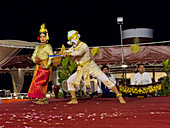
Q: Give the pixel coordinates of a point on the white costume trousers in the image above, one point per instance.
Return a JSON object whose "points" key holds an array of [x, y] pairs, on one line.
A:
{"points": [[102, 77]]}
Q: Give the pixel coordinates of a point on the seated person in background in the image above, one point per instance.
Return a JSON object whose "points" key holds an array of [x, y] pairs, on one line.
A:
{"points": [[141, 77], [104, 91]]}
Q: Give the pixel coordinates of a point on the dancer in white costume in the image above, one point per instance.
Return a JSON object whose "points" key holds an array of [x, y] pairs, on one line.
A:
{"points": [[85, 67]]}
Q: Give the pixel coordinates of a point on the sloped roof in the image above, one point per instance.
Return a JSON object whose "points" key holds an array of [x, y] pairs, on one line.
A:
{"points": [[20, 61], [147, 54], [18, 44], [10, 48], [150, 55]]}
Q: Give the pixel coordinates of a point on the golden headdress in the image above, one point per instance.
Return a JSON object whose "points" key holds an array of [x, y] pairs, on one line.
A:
{"points": [[44, 30], [73, 33]]}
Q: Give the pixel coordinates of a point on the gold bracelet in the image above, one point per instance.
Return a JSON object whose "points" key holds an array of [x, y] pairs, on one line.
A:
{"points": [[69, 54], [73, 98], [118, 95], [43, 99]]}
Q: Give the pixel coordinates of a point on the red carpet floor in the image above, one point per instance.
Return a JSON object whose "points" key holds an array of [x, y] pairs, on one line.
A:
{"points": [[89, 113]]}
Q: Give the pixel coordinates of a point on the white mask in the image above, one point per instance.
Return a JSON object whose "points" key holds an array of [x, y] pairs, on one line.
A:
{"points": [[69, 42], [73, 42]]}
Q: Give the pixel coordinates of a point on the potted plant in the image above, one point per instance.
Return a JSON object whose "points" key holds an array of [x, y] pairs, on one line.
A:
{"points": [[166, 81], [67, 69]]}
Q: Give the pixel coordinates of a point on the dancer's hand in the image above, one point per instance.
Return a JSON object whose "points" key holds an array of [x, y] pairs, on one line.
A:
{"points": [[43, 66], [65, 54], [37, 60]]}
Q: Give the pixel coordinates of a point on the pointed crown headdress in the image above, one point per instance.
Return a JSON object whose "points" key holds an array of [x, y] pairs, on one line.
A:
{"points": [[44, 30]]}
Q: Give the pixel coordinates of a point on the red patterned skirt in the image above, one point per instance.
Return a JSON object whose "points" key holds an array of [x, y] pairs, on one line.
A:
{"points": [[39, 84]]}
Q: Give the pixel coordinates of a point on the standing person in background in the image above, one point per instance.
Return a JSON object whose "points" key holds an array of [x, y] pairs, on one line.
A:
{"points": [[43, 69]]}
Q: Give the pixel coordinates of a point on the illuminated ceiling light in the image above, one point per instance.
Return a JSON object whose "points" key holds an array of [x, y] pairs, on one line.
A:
{"points": [[124, 65]]}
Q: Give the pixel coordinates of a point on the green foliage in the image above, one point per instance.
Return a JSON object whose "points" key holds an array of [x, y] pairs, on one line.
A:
{"points": [[67, 69], [166, 86], [166, 82], [60, 94]]}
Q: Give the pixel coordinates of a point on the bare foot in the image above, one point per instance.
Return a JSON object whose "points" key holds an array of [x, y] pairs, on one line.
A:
{"points": [[38, 102], [122, 101], [72, 102], [46, 102]]}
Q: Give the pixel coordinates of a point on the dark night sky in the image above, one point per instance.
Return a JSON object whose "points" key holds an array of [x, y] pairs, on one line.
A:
{"points": [[94, 19]]}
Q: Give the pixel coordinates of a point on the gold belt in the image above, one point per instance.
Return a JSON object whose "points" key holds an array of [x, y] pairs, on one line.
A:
{"points": [[82, 64]]}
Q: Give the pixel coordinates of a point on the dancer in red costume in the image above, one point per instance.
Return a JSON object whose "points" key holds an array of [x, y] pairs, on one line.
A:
{"points": [[42, 73]]}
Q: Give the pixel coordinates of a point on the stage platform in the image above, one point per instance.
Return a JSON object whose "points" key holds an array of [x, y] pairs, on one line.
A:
{"points": [[89, 113]]}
